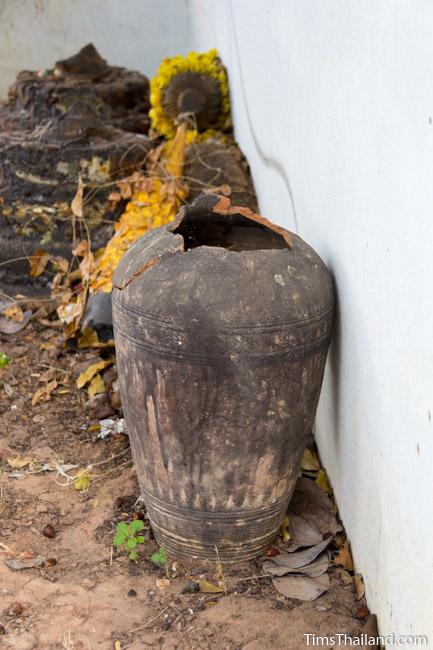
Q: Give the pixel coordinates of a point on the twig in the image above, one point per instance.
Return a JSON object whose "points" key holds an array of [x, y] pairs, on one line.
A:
{"points": [[152, 620], [46, 365], [7, 549]]}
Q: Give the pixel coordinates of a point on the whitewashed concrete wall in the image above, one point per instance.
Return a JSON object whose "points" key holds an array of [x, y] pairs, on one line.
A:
{"points": [[133, 33], [333, 104]]}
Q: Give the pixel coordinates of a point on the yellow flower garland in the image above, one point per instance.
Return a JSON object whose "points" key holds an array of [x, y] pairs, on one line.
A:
{"points": [[207, 63]]}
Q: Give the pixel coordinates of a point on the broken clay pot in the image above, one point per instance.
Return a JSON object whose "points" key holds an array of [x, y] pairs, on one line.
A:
{"points": [[222, 323]]}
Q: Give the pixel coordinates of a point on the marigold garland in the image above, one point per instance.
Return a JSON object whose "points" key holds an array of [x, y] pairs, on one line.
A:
{"points": [[155, 201], [207, 63]]}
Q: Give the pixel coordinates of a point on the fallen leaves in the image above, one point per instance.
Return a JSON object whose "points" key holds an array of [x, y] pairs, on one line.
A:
{"points": [[96, 386], [162, 583], [301, 574], [359, 586], [207, 587], [38, 262], [17, 564], [14, 312], [91, 371], [287, 562], [89, 339], [314, 506], [302, 587], [322, 481], [43, 394], [310, 461], [303, 533], [284, 529], [83, 480], [19, 462], [77, 201], [13, 319], [344, 557]]}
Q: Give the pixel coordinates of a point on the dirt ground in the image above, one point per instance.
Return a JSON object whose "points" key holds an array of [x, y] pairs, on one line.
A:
{"points": [[87, 596]]}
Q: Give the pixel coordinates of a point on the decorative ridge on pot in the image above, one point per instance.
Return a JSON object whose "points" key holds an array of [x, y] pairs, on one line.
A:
{"points": [[222, 323]]}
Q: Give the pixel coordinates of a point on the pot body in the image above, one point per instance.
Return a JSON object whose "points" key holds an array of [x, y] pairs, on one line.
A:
{"points": [[221, 356]]}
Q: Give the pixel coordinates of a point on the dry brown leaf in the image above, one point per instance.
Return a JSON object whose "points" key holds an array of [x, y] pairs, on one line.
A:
{"points": [[344, 557], [302, 533], [38, 262], [323, 482], [81, 249], [77, 201], [91, 371], [82, 480], [13, 326], [60, 264], [162, 583], [47, 346], [358, 583], [315, 569], [284, 529], [312, 504], [88, 339], [298, 559], [345, 577], [310, 461], [43, 394], [301, 587], [207, 587], [14, 312], [96, 386], [125, 189], [19, 462], [18, 565]]}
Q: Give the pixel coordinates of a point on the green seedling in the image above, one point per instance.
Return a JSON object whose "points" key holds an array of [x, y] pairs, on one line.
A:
{"points": [[4, 360], [126, 537], [160, 558]]}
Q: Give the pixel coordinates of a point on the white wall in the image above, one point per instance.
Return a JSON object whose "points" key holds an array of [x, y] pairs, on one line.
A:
{"points": [[333, 104], [133, 33]]}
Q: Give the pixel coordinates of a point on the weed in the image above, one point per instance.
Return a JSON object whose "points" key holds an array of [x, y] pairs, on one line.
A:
{"points": [[4, 359], [160, 558], [126, 537]]}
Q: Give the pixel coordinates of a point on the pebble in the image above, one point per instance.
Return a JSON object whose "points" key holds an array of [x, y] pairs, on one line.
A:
{"points": [[16, 609], [48, 531], [99, 407], [88, 584], [323, 608]]}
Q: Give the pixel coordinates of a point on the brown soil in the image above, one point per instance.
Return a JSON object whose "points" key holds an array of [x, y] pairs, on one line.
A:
{"points": [[94, 598]]}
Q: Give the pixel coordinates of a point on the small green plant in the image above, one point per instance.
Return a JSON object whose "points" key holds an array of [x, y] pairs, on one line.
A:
{"points": [[126, 537], [160, 558], [4, 360]]}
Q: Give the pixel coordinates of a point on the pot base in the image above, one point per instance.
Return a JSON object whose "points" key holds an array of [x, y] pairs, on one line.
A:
{"points": [[230, 536]]}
